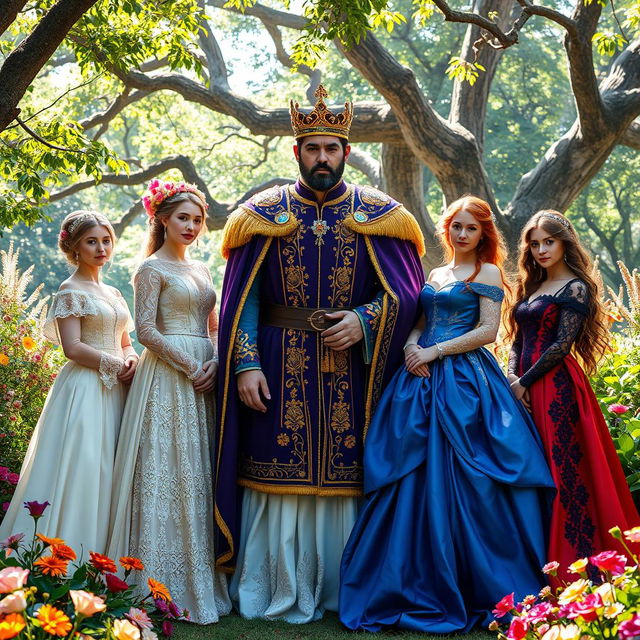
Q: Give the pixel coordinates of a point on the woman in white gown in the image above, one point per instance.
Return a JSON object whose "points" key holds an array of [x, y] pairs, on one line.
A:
{"points": [[162, 508], [69, 462]]}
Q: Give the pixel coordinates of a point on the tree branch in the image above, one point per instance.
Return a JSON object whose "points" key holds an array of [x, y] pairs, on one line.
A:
{"points": [[366, 164], [23, 64], [631, 137], [215, 60], [103, 118], [9, 13]]}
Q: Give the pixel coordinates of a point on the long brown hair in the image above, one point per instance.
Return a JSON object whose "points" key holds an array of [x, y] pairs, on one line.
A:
{"points": [[592, 341], [169, 205], [491, 247]]}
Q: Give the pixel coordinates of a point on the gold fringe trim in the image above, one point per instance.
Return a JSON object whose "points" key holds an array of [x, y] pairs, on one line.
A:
{"points": [[243, 224], [397, 223], [300, 490]]}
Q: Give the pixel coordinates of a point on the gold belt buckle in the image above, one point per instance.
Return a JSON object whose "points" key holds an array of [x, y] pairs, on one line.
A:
{"points": [[317, 316]]}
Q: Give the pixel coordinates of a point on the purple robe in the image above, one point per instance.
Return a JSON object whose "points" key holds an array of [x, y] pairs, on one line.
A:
{"points": [[364, 255]]}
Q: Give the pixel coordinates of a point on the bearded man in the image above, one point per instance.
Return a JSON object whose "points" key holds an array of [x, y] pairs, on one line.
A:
{"points": [[320, 293]]}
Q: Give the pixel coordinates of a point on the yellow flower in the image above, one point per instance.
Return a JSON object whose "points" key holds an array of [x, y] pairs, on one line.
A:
{"points": [[607, 592], [29, 343], [54, 621], [613, 610], [4, 359], [632, 535], [579, 565], [124, 630], [573, 592], [11, 626]]}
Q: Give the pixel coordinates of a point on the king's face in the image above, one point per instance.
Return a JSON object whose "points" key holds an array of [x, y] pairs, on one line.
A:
{"points": [[316, 151]]}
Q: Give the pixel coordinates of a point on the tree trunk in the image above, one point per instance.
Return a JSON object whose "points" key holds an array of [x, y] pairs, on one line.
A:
{"points": [[23, 64], [403, 180]]}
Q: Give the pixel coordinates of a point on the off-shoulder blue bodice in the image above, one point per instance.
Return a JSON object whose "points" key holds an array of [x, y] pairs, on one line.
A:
{"points": [[454, 309]]}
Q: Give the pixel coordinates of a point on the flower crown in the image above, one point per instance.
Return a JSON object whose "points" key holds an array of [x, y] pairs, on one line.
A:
{"points": [[158, 192], [563, 221]]}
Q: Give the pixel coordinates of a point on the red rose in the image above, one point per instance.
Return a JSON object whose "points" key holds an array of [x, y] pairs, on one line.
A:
{"points": [[114, 583]]}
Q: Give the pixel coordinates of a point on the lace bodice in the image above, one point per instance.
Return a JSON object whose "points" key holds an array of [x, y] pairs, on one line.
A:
{"points": [[103, 319], [548, 326], [461, 316], [174, 298]]}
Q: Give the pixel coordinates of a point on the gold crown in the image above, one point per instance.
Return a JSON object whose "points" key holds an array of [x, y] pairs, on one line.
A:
{"points": [[321, 121]]}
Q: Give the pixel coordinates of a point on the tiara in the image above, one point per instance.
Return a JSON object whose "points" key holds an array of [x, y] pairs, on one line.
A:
{"points": [[79, 220], [158, 192], [321, 121], [563, 221]]}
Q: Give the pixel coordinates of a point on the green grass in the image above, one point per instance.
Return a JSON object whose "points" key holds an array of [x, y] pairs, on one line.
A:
{"points": [[233, 627]]}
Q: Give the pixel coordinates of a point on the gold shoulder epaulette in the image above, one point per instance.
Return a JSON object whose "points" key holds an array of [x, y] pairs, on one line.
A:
{"points": [[395, 223], [245, 223]]}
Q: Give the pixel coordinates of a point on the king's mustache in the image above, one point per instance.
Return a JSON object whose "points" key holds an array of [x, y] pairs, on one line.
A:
{"points": [[322, 165]]}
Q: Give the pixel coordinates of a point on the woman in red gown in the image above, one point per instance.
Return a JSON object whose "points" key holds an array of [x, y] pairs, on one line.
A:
{"points": [[557, 319]]}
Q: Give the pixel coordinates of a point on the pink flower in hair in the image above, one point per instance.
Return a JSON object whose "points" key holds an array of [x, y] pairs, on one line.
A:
{"points": [[64, 234], [154, 184]]}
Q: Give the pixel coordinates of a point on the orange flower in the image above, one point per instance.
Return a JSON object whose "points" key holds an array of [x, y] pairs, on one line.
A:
{"points": [[4, 359], [29, 343], [52, 566], [102, 563], [49, 541], [158, 590], [63, 552], [131, 564], [54, 621], [11, 626]]}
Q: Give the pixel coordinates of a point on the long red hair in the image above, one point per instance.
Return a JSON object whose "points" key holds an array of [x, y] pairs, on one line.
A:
{"points": [[491, 247]]}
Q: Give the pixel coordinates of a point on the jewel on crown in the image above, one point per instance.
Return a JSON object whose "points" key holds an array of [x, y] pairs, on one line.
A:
{"points": [[158, 192], [321, 121], [83, 218], [563, 221]]}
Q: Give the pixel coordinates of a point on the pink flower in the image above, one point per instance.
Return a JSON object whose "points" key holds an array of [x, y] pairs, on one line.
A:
{"points": [[504, 606], [618, 409], [167, 628], [139, 617], [629, 628], [609, 561], [12, 541], [551, 568], [13, 603], [154, 184], [13, 578], [5, 506], [13, 478], [539, 613], [517, 629], [586, 608], [86, 604]]}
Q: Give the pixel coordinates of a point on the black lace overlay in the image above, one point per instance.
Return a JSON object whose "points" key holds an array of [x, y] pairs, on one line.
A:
{"points": [[548, 327], [567, 454]]}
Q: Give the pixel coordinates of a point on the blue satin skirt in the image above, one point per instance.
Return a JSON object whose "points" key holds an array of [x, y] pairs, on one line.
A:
{"points": [[458, 503]]}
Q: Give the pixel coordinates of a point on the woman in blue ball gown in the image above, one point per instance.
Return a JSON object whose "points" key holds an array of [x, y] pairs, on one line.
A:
{"points": [[458, 492]]}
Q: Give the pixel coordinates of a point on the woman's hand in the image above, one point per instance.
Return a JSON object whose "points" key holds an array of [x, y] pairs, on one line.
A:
{"points": [[128, 370], [417, 358], [207, 378], [522, 393]]}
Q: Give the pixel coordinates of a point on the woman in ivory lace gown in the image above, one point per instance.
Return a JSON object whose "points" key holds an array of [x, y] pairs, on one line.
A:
{"points": [[69, 462], [162, 508]]}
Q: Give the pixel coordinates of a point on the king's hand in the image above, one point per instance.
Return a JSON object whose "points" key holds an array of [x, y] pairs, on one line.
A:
{"points": [[343, 334]]}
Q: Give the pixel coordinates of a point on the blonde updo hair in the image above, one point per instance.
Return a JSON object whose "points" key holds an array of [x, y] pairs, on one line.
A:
{"points": [[75, 225], [168, 206]]}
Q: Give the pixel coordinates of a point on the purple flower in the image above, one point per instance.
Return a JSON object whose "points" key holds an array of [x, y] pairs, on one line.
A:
{"points": [[167, 628], [161, 606], [36, 509], [12, 478], [4, 472], [5, 506], [174, 611]]}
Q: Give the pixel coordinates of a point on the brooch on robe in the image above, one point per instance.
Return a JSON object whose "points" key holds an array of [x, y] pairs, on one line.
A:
{"points": [[319, 228]]}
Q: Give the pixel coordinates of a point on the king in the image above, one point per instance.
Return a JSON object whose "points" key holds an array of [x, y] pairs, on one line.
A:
{"points": [[320, 292]]}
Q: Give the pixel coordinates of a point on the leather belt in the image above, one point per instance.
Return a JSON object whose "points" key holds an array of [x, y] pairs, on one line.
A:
{"points": [[304, 318]]}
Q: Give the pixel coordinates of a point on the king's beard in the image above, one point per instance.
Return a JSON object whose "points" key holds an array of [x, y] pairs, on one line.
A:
{"points": [[321, 181]]}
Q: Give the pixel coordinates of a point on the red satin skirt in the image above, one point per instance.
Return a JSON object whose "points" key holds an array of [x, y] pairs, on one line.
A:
{"points": [[593, 494]]}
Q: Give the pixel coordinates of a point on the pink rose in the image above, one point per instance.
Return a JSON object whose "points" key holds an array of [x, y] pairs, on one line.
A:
{"points": [[629, 628], [551, 568], [586, 609], [504, 606], [13, 603], [539, 613], [618, 409], [154, 184], [609, 561], [86, 604], [13, 578]]}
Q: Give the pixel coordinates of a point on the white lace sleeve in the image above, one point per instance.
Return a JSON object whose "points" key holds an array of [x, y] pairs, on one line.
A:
{"points": [[484, 333], [110, 367], [67, 303], [147, 284]]}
